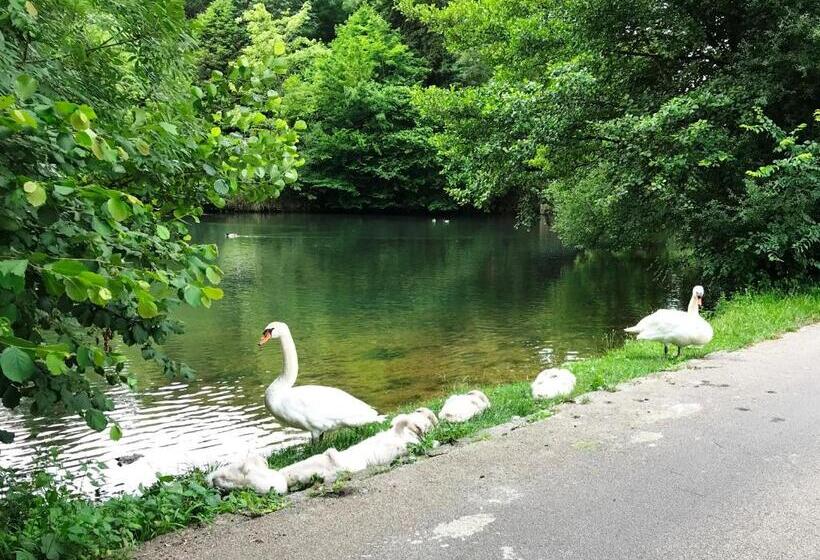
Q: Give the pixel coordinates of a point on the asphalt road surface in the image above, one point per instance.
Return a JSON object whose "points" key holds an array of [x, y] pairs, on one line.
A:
{"points": [[719, 460]]}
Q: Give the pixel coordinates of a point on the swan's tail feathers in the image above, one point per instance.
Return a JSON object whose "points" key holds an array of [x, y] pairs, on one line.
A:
{"points": [[380, 418], [635, 329]]}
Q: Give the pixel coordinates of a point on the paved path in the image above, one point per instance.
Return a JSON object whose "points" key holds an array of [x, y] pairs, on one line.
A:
{"points": [[721, 460]]}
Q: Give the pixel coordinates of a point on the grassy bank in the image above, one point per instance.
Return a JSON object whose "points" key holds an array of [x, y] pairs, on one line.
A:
{"points": [[42, 518]]}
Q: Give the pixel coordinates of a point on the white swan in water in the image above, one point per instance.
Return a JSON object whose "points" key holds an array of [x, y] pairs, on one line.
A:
{"points": [[681, 328], [314, 408]]}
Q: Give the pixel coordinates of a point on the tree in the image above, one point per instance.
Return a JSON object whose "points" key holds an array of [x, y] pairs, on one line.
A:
{"points": [[366, 148], [221, 36], [96, 201], [639, 132]]}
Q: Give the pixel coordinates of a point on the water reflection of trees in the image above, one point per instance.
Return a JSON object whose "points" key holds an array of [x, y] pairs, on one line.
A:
{"points": [[391, 308]]}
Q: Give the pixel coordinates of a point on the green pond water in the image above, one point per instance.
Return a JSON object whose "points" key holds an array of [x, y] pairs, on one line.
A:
{"points": [[390, 309]]}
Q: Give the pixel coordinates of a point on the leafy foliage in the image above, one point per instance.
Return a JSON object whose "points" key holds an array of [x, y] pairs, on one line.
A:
{"points": [[365, 148], [220, 34], [43, 516], [634, 114], [95, 245]]}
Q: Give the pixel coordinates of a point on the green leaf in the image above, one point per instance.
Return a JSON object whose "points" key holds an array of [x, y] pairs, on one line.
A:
{"points": [[300, 125], [115, 433], [278, 46], [67, 267], [169, 128], [25, 86], [35, 193], [13, 274], [97, 150], [193, 295], [142, 146], [221, 187], [79, 120], [75, 289], [213, 293], [16, 364], [85, 138], [214, 274], [163, 233], [14, 267], [50, 546], [64, 108], [100, 227], [118, 208], [99, 295], [24, 117], [83, 357], [146, 308], [55, 364], [96, 420]]}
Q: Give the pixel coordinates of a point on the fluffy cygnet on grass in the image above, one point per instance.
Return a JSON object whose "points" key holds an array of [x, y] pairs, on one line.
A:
{"points": [[554, 382], [460, 408], [252, 473]]}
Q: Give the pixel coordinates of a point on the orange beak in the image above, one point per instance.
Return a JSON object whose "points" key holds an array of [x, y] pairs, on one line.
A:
{"points": [[265, 337]]}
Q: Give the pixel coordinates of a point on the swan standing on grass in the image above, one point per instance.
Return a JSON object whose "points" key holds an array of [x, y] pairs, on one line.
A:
{"points": [[314, 408], [681, 328]]}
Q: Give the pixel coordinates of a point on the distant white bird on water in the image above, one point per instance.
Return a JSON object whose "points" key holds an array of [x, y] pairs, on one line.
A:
{"points": [[681, 328], [446, 221], [231, 235], [433, 220]]}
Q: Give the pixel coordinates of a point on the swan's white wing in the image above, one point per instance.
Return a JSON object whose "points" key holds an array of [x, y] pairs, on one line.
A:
{"points": [[675, 327], [328, 408]]}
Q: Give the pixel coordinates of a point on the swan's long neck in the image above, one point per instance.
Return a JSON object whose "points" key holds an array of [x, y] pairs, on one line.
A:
{"points": [[291, 365], [694, 308]]}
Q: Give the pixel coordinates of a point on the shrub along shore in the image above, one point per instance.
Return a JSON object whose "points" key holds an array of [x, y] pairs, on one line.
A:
{"points": [[43, 518]]}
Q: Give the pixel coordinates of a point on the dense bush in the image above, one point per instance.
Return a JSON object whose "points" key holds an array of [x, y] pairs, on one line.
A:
{"points": [[42, 516], [365, 147], [96, 201]]}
